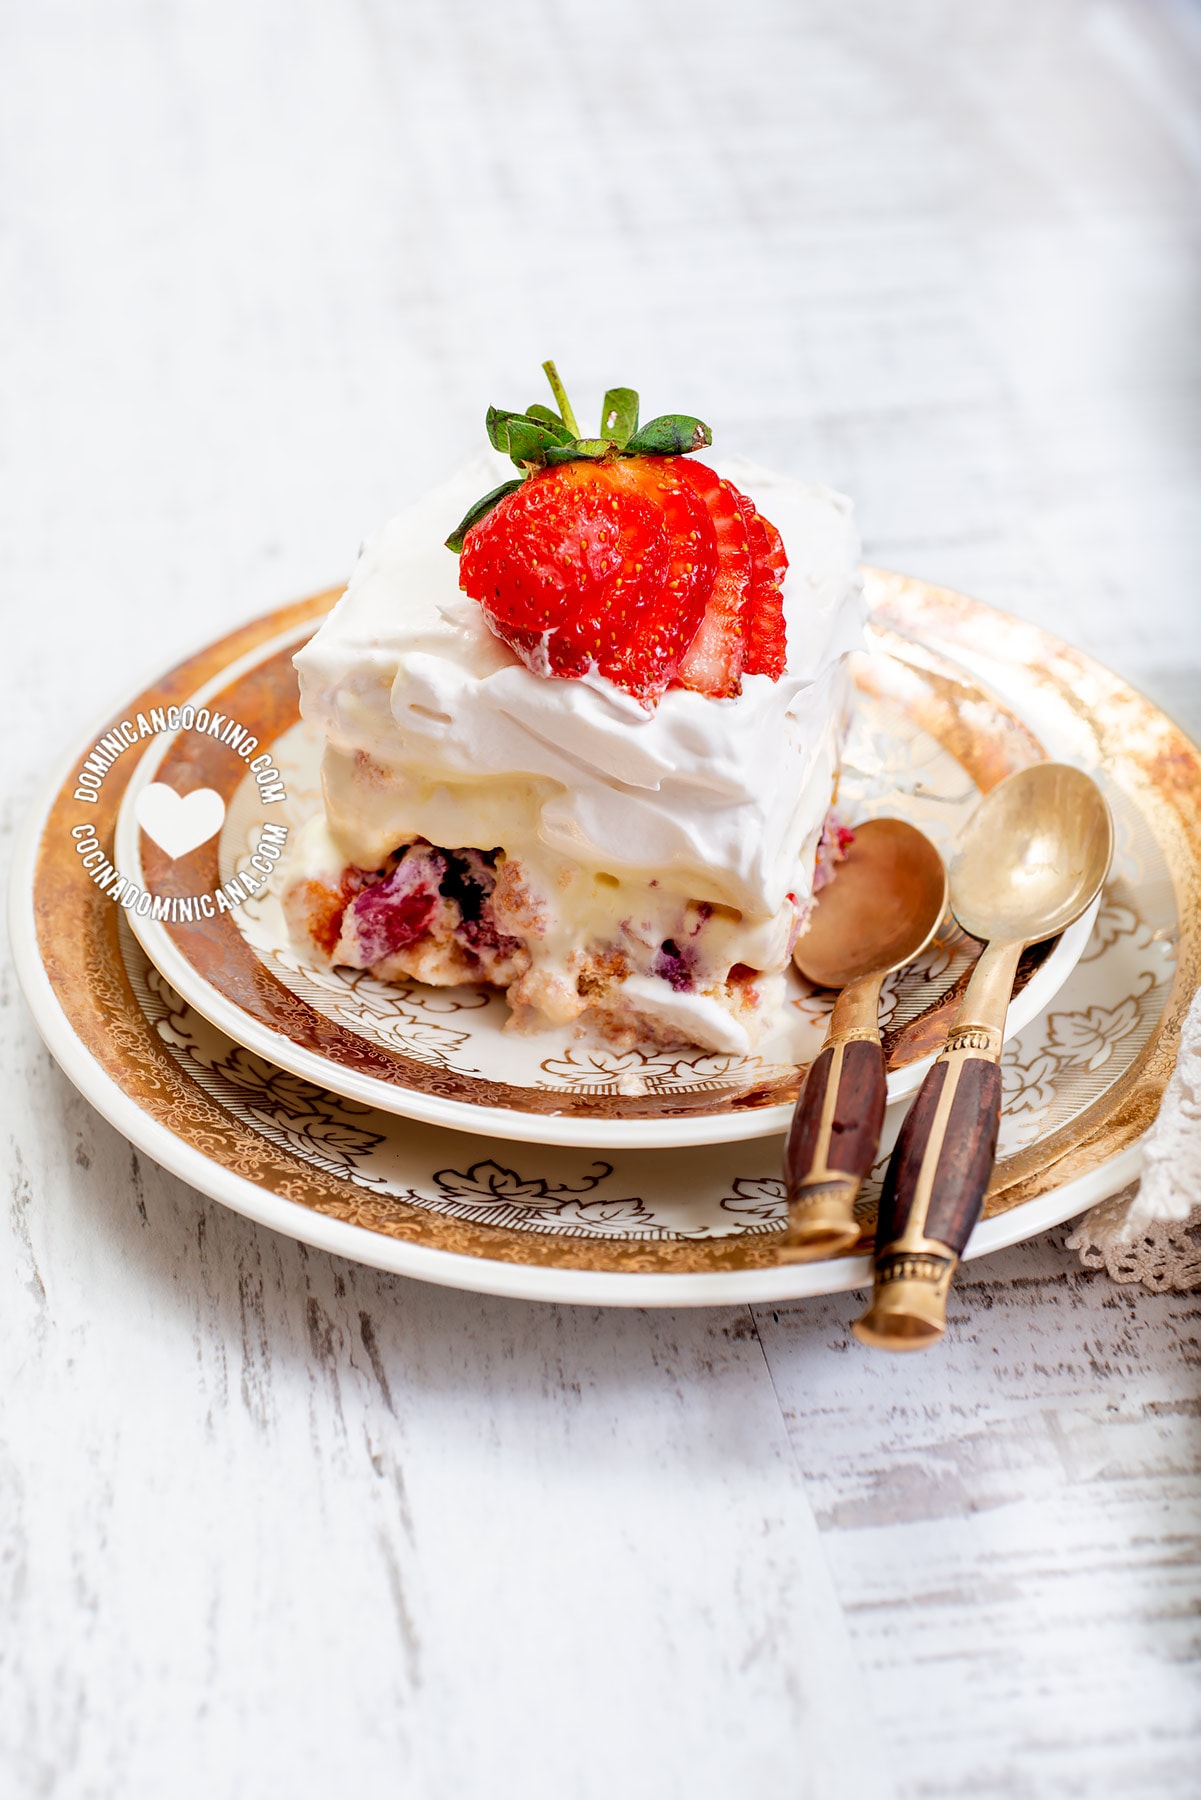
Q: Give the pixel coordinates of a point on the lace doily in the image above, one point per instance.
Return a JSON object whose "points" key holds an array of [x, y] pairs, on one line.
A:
{"points": [[1151, 1231]]}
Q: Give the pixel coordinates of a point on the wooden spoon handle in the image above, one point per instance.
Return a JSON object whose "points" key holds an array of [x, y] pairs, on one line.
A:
{"points": [[940, 1169], [835, 1130]]}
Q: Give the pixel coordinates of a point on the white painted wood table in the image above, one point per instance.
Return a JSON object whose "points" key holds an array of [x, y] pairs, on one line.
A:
{"points": [[271, 1524]]}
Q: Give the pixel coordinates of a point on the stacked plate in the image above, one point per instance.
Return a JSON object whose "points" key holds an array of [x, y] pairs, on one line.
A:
{"points": [[404, 1126]]}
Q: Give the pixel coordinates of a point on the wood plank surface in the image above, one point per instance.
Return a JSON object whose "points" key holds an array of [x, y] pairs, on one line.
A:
{"points": [[1014, 1526], [271, 1524]]}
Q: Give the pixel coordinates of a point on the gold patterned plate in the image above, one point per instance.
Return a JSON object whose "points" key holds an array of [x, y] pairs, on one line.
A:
{"points": [[917, 747], [695, 1226]]}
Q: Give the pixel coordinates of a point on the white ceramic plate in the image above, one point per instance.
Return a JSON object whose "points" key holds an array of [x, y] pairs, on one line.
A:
{"points": [[683, 1227], [443, 1055], [519, 1211]]}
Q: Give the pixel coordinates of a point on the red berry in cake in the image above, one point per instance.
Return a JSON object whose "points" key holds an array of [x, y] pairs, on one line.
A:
{"points": [[622, 556]]}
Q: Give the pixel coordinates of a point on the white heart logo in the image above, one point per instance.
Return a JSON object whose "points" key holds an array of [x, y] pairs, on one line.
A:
{"points": [[179, 823]]}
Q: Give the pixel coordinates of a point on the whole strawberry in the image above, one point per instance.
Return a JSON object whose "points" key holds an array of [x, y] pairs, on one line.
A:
{"points": [[621, 556]]}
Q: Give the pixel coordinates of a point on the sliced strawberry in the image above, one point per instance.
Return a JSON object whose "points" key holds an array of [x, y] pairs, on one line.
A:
{"points": [[765, 639], [622, 555], [559, 557], [649, 570], [596, 565], [714, 660], [669, 614]]}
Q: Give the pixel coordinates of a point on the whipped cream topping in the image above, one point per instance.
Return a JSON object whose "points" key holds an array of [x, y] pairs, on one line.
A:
{"points": [[435, 729]]}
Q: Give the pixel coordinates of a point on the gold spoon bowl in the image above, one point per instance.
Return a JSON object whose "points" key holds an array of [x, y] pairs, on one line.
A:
{"points": [[1032, 858], [881, 909]]}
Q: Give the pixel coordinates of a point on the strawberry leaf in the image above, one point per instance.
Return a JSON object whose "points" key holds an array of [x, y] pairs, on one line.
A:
{"points": [[479, 511], [496, 424], [520, 436], [563, 453], [541, 438], [545, 416], [675, 434], [528, 440], [580, 449], [619, 416]]}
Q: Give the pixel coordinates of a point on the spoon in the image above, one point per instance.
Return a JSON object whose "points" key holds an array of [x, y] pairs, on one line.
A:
{"points": [[882, 907], [1030, 860]]}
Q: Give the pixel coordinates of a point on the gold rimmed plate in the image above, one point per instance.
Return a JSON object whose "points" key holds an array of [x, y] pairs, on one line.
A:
{"points": [[642, 1227], [926, 740]]}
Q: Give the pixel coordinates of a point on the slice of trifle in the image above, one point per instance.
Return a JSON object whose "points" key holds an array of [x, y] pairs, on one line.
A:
{"points": [[584, 750]]}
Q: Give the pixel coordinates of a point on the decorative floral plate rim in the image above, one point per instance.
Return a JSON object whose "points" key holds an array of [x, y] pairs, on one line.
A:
{"points": [[65, 938], [390, 1047]]}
